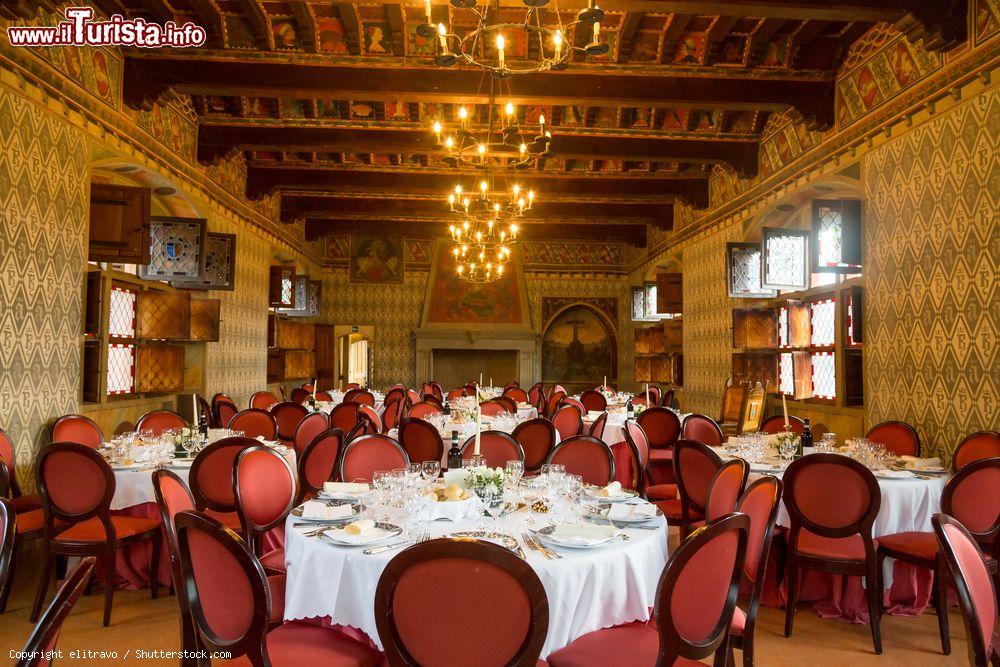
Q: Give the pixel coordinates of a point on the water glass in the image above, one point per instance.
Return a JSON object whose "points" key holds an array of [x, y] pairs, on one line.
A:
{"points": [[787, 449], [515, 470], [430, 470]]}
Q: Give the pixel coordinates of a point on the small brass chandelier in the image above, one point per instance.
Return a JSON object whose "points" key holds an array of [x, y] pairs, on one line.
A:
{"points": [[476, 47]]}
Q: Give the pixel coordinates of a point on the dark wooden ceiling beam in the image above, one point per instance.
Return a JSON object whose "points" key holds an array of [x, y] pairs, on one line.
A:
{"points": [[672, 32], [216, 140], [210, 18], [255, 15], [397, 30], [305, 19], [626, 35], [352, 26], [634, 235], [158, 10], [263, 179]]}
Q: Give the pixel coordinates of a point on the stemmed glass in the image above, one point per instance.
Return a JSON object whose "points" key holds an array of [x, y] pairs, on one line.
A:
{"points": [[514, 471], [381, 482], [493, 503], [430, 471], [787, 449], [413, 471]]}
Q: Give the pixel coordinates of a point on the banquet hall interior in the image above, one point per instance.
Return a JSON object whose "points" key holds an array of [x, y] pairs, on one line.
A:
{"points": [[500, 332]]}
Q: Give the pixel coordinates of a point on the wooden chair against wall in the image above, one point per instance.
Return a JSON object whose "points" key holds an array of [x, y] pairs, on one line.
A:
{"points": [[753, 408], [734, 396]]}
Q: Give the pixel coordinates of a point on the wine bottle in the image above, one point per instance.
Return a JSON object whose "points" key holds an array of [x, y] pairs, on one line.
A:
{"points": [[446, 410], [454, 454], [202, 426], [806, 439], [629, 410]]}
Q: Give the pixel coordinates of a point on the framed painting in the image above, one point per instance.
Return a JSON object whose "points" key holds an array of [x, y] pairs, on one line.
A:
{"points": [[376, 259]]}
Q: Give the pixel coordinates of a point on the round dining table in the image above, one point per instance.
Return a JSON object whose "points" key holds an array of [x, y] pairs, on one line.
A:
{"points": [[587, 589]]}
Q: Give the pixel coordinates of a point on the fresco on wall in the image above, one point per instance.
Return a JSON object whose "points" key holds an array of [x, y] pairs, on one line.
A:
{"points": [[376, 259], [454, 301], [576, 348]]}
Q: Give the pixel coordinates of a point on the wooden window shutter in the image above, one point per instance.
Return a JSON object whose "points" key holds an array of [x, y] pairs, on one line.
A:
{"points": [[798, 334], [162, 315], [669, 293], [852, 229], [833, 221], [94, 306], [119, 224], [159, 368], [755, 328], [785, 256], [802, 369], [281, 287], [205, 319]]}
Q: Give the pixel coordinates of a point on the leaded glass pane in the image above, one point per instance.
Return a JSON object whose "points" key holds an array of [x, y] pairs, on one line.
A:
{"points": [[850, 321], [649, 309], [783, 327], [121, 315], [287, 296], [314, 298], [823, 319], [176, 250], [829, 236], [121, 369], [638, 303], [787, 373], [744, 264], [824, 375], [785, 255]]}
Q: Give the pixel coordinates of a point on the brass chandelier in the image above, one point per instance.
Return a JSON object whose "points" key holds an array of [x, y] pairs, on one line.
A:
{"points": [[485, 46], [483, 237]]}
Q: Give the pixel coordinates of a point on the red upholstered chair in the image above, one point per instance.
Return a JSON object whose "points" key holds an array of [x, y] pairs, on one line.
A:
{"points": [[225, 410], [585, 456], [78, 429], [638, 446], [254, 422], [308, 428], [508, 403], [287, 416], [776, 424], [898, 437], [8, 535], [420, 440], [703, 429], [265, 492], [263, 400], [667, 400], [536, 393], [361, 396], [516, 394], [367, 412], [231, 604], [20, 502], [76, 485], [415, 615], [25, 525], [392, 413], [972, 496], [597, 428], [537, 437], [654, 394], [496, 447], [725, 489], [760, 502], [976, 594], [351, 385], [695, 600], [493, 408], [552, 403], [46, 633], [662, 427], [370, 452], [395, 393], [413, 396], [455, 394], [324, 396], [695, 465], [979, 445], [423, 409], [159, 421], [593, 401], [568, 420], [832, 501], [345, 416], [300, 395], [211, 479], [318, 462]]}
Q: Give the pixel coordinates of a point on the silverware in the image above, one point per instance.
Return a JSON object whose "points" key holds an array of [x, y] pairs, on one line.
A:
{"points": [[603, 521], [531, 544], [549, 553], [387, 547]]}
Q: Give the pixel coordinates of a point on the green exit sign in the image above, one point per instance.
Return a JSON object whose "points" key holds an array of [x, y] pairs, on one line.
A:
{"points": [[354, 329]]}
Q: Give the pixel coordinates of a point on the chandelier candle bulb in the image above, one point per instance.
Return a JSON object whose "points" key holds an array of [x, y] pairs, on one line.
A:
{"points": [[500, 44], [597, 31], [427, 10], [442, 32], [557, 40]]}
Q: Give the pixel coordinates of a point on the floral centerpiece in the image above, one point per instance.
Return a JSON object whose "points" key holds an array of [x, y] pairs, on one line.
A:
{"points": [[188, 434], [479, 479], [787, 441]]}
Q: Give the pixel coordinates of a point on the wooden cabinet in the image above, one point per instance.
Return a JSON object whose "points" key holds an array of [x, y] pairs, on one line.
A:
{"points": [[119, 224], [283, 365]]}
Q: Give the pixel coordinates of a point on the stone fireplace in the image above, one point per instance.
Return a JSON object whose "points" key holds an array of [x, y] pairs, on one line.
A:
{"points": [[520, 347]]}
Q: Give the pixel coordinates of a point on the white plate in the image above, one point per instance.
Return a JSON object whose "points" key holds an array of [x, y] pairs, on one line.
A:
{"points": [[894, 474], [602, 514], [323, 495], [545, 534], [766, 467], [181, 463], [623, 496], [380, 533], [297, 513], [930, 471]]}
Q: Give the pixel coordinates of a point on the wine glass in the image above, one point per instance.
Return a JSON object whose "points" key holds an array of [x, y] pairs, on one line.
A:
{"points": [[515, 470], [413, 471], [493, 504], [430, 470], [787, 449]]}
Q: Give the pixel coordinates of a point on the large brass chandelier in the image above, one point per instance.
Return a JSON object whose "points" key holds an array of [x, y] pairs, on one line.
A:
{"points": [[486, 45], [486, 228]]}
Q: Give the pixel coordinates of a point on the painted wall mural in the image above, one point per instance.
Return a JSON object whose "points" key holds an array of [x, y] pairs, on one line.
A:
{"points": [[577, 347], [376, 259], [456, 301]]}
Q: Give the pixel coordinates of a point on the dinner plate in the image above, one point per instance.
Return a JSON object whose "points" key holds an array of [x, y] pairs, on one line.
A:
{"points": [[325, 495], [930, 471], [601, 512], [766, 467], [547, 533], [380, 533], [593, 493], [181, 463], [355, 513], [490, 536], [894, 474]]}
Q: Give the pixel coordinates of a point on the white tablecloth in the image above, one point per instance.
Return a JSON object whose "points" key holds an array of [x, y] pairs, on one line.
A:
{"points": [[587, 589]]}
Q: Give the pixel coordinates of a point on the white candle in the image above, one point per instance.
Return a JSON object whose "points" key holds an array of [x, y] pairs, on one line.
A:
{"points": [[500, 44], [480, 379], [784, 409], [491, 382], [427, 9], [194, 408], [557, 40], [443, 37], [647, 395], [479, 427], [605, 385]]}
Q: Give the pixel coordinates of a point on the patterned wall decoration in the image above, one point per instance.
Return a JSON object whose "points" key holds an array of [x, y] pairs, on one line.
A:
{"points": [[454, 301], [338, 249], [783, 140], [563, 255], [376, 259], [986, 19], [43, 199], [419, 253], [175, 125], [932, 307], [607, 306]]}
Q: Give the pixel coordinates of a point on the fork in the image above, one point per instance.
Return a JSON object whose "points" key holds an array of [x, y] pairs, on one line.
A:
{"points": [[528, 542]]}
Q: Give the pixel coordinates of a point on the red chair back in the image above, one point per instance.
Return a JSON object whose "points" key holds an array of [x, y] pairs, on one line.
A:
{"points": [[172, 497], [536, 393], [211, 476], [667, 400], [224, 586], [516, 394], [698, 590], [159, 421], [898, 437], [368, 453], [760, 502], [703, 429], [423, 409], [300, 395], [351, 385], [324, 396], [976, 593], [493, 408], [263, 400], [345, 416], [42, 642], [597, 428], [508, 403], [225, 410], [9, 459], [455, 394], [552, 403], [254, 422], [413, 396], [662, 427], [496, 447], [318, 462], [972, 496], [725, 489], [78, 429], [420, 440], [585, 456], [979, 445], [7, 535], [776, 424], [537, 437], [361, 396], [392, 413], [309, 427], [287, 416], [832, 496], [638, 445], [412, 610], [372, 415], [568, 421], [695, 465], [593, 401], [264, 489]]}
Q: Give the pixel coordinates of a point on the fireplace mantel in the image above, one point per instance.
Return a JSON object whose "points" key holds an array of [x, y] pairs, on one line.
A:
{"points": [[523, 341]]}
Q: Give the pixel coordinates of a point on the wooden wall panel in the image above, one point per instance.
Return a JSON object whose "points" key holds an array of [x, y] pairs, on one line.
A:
{"points": [[205, 319], [755, 328], [159, 368], [163, 315]]}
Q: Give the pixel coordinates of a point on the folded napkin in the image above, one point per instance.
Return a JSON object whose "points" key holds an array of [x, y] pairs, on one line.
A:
{"points": [[345, 487], [624, 511], [894, 474], [612, 490], [358, 532], [359, 527], [585, 534], [917, 463], [593, 415], [314, 509]]}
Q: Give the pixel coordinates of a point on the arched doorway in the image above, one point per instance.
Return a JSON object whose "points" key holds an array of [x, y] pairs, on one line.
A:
{"points": [[579, 348]]}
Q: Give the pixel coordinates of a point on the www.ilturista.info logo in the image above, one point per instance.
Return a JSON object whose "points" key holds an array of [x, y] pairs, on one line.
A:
{"points": [[80, 29]]}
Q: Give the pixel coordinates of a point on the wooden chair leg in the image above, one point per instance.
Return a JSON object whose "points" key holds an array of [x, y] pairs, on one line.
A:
{"points": [[48, 565], [874, 587], [747, 646], [7, 578], [154, 565], [940, 600], [109, 584], [792, 578]]}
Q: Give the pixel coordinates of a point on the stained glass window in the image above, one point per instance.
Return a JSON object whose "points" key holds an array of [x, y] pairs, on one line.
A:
{"points": [[824, 375], [785, 256], [824, 314], [743, 261], [786, 371], [121, 322], [121, 345], [638, 303], [837, 233]]}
